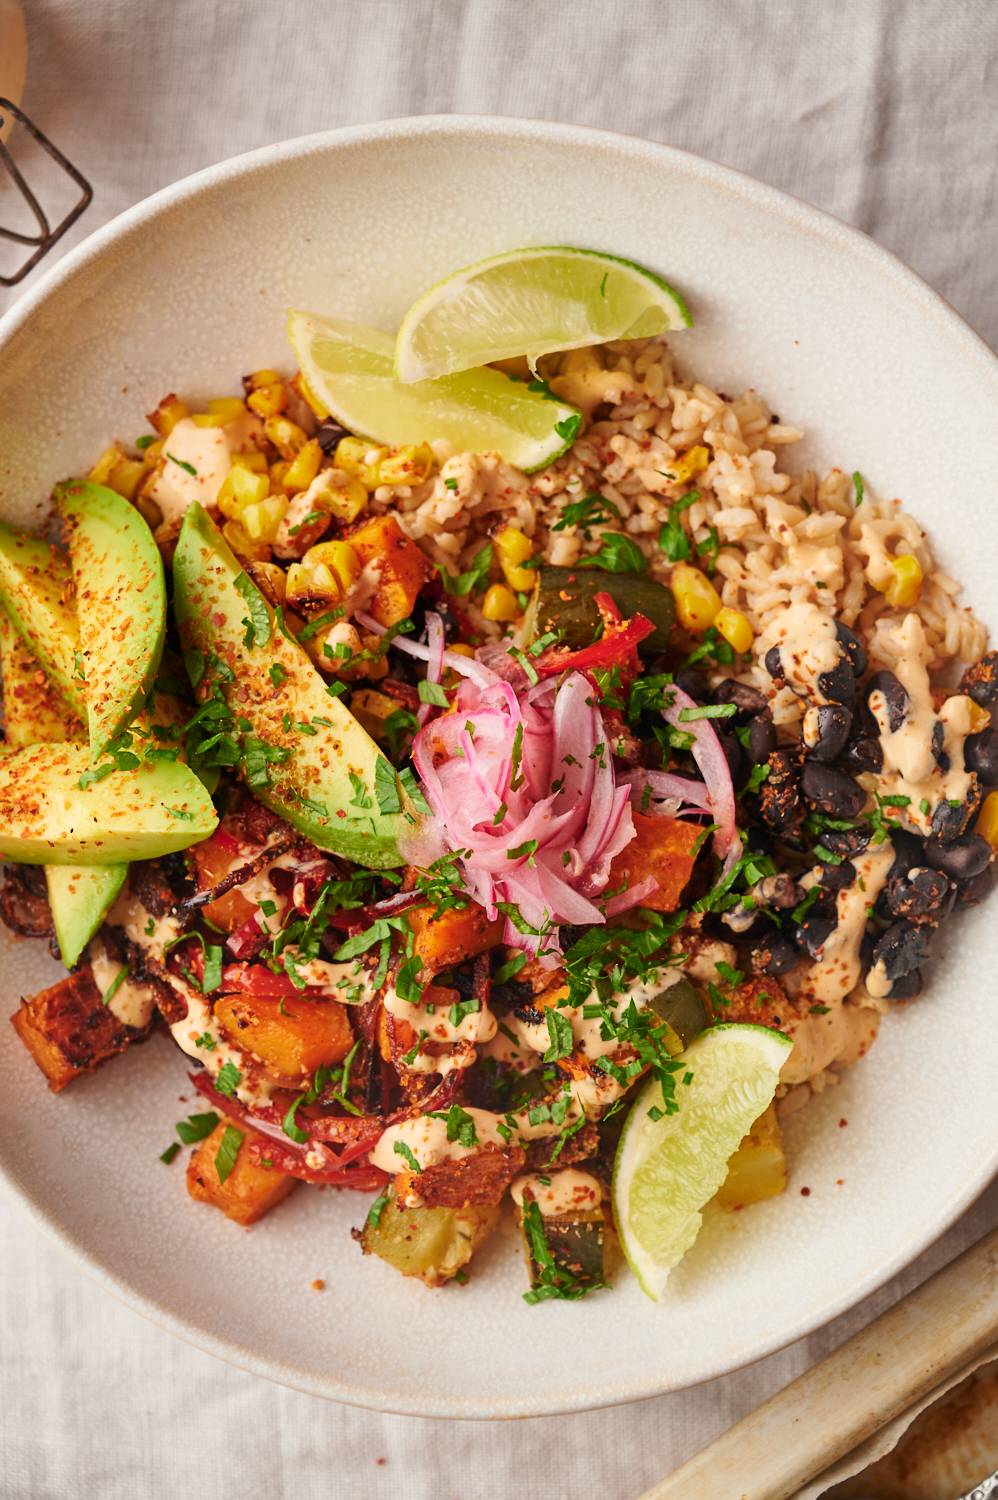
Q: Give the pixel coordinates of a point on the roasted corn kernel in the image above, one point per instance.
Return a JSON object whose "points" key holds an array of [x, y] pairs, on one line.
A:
{"points": [[152, 453], [323, 576], [906, 584], [101, 471], [697, 600], [339, 557], [346, 498], [270, 579], [287, 437], [500, 603], [168, 413], [372, 708], [262, 520], [980, 718], [261, 377], [407, 465], [268, 400], [514, 549], [127, 476], [221, 411], [252, 459], [303, 467], [301, 386], [243, 544], [987, 820], [737, 631], [240, 489], [360, 459], [688, 465]]}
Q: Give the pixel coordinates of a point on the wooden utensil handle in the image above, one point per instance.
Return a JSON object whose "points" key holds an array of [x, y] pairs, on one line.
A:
{"points": [[874, 1377]]}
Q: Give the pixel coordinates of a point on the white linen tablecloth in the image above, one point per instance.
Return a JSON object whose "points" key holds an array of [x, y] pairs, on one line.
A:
{"points": [[882, 112]]}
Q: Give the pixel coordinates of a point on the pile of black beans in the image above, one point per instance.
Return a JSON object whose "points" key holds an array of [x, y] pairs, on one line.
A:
{"points": [[809, 810]]}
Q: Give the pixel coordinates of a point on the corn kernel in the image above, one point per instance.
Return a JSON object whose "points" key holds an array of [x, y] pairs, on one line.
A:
{"points": [[222, 410], [102, 469], [346, 499], [243, 544], [500, 603], [987, 820], [697, 600], [301, 386], [148, 510], [168, 413], [409, 465], [359, 459], [126, 477], [688, 465], [737, 631], [277, 471], [153, 452], [252, 459], [980, 719], [262, 521], [241, 488], [287, 437], [268, 400], [339, 557], [303, 467], [461, 649], [514, 548], [271, 580], [372, 709], [906, 585], [261, 377]]}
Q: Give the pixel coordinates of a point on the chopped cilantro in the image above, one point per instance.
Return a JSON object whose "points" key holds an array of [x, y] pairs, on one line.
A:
{"points": [[228, 1151]]}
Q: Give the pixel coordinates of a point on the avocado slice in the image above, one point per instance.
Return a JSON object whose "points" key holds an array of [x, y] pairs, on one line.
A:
{"points": [[121, 604], [323, 778], [36, 590], [80, 896], [48, 817]]}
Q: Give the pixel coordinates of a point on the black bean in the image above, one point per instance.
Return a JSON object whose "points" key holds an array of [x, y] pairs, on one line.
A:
{"points": [[847, 841], [896, 700], [773, 664], [775, 955], [735, 756], [855, 650], [779, 891], [909, 987], [864, 754], [695, 684], [950, 818], [980, 681], [838, 685], [920, 893], [780, 805], [838, 877], [831, 791], [980, 754], [833, 721], [901, 949], [939, 755], [813, 933], [909, 852], [762, 739], [960, 859], [971, 892], [329, 434], [748, 700]]}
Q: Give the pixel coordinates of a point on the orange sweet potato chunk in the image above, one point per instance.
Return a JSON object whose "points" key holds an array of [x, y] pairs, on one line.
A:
{"points": [[662, 847], [403, 567], [69, 1030], [249, 1191], [448, 938], [212, 861], [292, 1043]]}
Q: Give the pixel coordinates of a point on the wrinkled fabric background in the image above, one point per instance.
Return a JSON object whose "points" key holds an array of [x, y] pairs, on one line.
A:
{"points": [[884, 112]]}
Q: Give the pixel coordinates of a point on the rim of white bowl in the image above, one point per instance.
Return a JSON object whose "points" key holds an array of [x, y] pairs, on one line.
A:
{"points": [[804, 217]]}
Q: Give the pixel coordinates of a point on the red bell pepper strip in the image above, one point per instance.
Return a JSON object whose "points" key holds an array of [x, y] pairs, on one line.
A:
{"points": [[617, 647]]}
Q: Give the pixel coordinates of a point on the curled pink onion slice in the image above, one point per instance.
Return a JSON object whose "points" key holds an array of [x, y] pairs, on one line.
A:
{"points": [[709, 755]]}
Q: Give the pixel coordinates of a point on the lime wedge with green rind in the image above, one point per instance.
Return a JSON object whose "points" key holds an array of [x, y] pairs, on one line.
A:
{"points": [[532, 301], [349, 367], [667, 1169]]}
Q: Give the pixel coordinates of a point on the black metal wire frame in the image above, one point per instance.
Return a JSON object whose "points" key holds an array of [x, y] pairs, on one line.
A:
{"points": [[46, 236]]}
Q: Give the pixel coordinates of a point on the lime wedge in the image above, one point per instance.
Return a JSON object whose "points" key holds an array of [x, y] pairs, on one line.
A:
{"points": [[532, 302], [350, 368], [667, 1168]]}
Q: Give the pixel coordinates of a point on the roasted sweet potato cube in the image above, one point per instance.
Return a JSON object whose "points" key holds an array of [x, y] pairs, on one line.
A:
{"points": [[293, 1042], [249, 1191], [69, 1030], [403, 567], [212, 861], [448, 938], [661, 847]]}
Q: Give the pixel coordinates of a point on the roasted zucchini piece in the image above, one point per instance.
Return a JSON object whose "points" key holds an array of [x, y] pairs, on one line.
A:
{"points": [[758, 1169], [565, 1250], [221, 1173], [565, 600], [431, 1243], [684, 1011]]}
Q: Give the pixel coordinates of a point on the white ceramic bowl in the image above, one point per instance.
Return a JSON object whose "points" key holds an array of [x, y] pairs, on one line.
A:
{"points": [[186, 292]]}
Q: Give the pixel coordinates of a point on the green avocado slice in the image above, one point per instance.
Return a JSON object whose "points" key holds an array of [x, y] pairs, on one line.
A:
{"points": [[36, 590], [80, 896], [121, 604], [54, 810], [304, 754]]}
